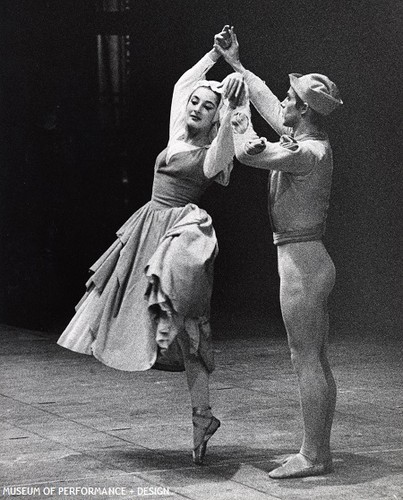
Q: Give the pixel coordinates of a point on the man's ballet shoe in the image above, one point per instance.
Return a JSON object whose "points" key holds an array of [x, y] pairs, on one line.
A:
{"points": [[300, 466], [204, 426]]}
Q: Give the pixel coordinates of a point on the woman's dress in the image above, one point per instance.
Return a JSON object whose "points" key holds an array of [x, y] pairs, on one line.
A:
{"points": [[156, 279]]}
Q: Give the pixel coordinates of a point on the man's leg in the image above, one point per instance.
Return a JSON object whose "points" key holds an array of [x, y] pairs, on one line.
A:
{"points": [[306, 279], [332, 390]]}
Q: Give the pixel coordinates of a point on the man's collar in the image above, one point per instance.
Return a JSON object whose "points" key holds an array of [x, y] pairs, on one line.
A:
{"points": [[304, 136]]}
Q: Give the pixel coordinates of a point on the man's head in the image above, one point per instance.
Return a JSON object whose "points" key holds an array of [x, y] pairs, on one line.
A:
{"points": [[320, 93], [293, 109], [310, 96]]}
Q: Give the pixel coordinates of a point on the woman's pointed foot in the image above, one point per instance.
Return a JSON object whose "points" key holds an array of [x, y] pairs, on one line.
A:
{"points": [[300, 466], [204, 426]]}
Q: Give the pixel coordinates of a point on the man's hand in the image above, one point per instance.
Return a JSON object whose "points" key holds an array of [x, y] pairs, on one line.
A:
{"points": [[230, 54], [255, 146]]}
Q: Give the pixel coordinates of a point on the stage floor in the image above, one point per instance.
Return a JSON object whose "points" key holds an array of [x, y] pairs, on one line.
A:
{"points": [[69, 425]]}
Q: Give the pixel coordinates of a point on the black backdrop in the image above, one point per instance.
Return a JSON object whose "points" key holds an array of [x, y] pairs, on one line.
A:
{"points": [[62, 197]]}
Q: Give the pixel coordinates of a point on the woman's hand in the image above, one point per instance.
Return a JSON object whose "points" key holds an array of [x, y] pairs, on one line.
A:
{"points": [[234, 89], [255, 146]]}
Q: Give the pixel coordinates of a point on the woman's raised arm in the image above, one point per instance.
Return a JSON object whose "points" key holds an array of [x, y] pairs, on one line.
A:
{"points": [[183, 89]]}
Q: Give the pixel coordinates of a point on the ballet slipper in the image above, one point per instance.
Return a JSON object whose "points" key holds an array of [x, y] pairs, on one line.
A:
{"points": [[204, 426], [300, 466]]}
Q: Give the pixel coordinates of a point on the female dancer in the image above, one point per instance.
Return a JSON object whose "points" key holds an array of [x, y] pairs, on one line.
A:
{"points": [[148, 298]]}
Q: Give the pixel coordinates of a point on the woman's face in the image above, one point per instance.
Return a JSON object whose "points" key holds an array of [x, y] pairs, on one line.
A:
{"points": [[201, 109]]}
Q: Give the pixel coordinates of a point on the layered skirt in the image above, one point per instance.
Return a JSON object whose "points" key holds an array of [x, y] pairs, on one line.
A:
{"points": [[153, 283]]}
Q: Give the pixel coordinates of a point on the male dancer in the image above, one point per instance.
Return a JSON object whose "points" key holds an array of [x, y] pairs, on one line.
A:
{"points": [[301, 168]]}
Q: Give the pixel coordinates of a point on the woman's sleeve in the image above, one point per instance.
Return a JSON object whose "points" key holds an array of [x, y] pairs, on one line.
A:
{"points": [[182, 90], [220, 155]]}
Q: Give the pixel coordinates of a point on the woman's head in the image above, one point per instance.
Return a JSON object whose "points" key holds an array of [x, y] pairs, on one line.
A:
{"points": [[202, 109]]}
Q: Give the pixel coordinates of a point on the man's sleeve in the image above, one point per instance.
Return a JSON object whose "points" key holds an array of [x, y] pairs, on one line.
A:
{"points": [[287, 155], [265, 102]]}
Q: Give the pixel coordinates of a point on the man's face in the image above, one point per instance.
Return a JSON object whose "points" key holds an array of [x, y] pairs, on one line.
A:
{"points": [[291, 114]]}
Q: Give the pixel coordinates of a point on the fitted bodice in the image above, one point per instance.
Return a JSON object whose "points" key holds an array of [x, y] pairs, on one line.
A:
{"points": [[180, 181]]}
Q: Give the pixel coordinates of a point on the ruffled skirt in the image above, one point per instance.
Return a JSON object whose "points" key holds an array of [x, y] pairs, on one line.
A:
{"points": [[153, 283]]}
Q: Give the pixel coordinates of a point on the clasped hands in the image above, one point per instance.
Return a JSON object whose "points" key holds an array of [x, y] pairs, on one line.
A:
{"points": [[226, 44], [234, 87]]}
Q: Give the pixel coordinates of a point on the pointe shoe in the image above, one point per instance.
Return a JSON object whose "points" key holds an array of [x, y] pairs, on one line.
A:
{"points": [[204, 426], [300, 466]]}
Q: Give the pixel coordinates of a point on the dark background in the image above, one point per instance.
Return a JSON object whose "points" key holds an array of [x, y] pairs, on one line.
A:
{"points": [[62, 194]]}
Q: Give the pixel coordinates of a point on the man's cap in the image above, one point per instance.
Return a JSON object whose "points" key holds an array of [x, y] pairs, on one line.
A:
{"points": [[320, 93]]}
